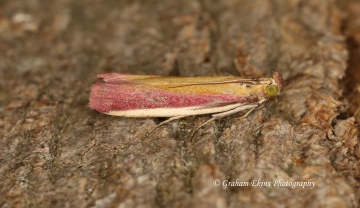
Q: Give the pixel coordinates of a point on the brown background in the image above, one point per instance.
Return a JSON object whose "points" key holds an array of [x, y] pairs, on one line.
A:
{"points": [[57, 152]]}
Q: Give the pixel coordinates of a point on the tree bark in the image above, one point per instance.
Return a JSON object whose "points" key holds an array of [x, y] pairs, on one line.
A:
{"points": [[57, 152]]}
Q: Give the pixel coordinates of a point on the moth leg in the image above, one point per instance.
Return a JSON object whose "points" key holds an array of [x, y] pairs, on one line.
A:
{"points": [[166, 121], [251, 110], [162, 123], [247, 113], [228, 113]]}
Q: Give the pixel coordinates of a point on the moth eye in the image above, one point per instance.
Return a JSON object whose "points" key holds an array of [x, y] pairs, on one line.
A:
{"points": [[271, 90]]}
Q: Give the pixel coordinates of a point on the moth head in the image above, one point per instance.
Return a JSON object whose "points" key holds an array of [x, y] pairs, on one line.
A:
{"points": [[276, 86], [272, 90], [278, 80]]}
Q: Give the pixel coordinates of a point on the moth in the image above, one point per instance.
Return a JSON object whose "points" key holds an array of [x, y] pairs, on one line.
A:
{"points": [[147, 96]]}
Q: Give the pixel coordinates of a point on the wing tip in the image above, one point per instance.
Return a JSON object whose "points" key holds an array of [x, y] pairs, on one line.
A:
{"points": [[95, 100]]}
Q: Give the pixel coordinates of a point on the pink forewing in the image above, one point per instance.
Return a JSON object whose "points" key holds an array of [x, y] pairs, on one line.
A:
{"points": [[106, 97]]}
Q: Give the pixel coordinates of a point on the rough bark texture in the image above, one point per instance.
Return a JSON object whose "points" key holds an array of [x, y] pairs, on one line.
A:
{"points": [[57, 152]]}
